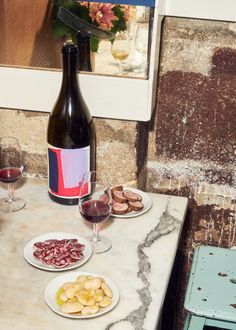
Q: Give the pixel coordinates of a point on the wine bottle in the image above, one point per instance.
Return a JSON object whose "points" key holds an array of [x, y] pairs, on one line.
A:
{"points": [[83, 43], [70, 135]]}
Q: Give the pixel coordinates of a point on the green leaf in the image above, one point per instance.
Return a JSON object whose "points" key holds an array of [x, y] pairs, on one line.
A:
{"points": [[94, 43], [60, 30], [120, 24]]}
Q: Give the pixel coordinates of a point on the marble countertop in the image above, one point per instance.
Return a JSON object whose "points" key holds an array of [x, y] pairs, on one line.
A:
{"points": [[139, 262]]}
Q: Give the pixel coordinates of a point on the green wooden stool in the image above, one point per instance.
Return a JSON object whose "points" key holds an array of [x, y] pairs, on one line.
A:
{"points": [[211, 292]]}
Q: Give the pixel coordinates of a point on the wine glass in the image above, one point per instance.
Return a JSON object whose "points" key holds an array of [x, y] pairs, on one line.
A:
{"points": [[120, 48], [10, 171], [95, 207], [141, 43]]}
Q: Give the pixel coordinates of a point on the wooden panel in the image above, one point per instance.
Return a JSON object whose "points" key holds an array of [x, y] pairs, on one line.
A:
{"points": [[26, 33]]}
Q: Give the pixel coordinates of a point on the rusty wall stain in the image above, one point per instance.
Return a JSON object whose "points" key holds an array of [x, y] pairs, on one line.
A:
{"points": [[196, 117], [224, 61]]}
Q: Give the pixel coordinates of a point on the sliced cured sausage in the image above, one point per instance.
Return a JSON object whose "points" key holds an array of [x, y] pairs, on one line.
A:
{"points": [[104, 198], [119, 197], [132, 196], [59, 253], [116, 188], [120, 208], [136, 206]]}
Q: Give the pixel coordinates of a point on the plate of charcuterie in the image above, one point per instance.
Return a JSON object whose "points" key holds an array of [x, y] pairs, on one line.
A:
{"points": [[57, 251], [81, 295], [129, 202]]}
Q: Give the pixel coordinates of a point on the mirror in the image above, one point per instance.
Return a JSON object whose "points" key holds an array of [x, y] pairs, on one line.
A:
{"points": [[32, 35]]}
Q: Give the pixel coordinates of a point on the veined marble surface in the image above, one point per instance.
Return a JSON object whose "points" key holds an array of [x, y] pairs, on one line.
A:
{"points": [[139, 262]]}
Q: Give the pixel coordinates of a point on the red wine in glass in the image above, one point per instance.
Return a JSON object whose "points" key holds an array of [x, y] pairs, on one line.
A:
{"points": [[10, 171], [95, 207], [10, 174], [95, 211]]}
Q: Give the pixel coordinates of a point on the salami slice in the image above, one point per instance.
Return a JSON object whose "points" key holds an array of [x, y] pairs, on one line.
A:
{"points": [[104, 198], [119, 197], [59, 253], [132, 196], [120, 208], [136, 206], [116, 188]]}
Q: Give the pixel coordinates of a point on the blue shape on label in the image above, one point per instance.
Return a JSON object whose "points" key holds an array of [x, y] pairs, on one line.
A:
{"points": [[53, 170]]}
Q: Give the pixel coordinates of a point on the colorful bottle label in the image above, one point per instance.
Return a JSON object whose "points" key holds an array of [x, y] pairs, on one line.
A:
{"points": [[65, 170]]}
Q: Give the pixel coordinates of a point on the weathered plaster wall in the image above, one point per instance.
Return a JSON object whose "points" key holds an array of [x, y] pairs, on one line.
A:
{"points": [[116, 153], [192, 146]]}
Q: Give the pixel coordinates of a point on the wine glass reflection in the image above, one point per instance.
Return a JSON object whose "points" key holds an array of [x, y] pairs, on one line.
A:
{"points": [[120, 48], [141, 44]]}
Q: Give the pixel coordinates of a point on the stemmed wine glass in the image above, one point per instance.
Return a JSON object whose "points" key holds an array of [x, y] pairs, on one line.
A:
{"points": [[141, 43], [95, 207], [11, 169], [120, 48]]}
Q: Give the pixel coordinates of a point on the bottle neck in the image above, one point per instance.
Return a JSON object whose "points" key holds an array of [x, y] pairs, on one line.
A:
{"points": [[70, 67], [83, 44]]}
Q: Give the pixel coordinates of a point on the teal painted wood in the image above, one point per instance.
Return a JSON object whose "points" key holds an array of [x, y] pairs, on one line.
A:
{"points": [[211, 290], [186, 323], [196, 323], [221, 324]]}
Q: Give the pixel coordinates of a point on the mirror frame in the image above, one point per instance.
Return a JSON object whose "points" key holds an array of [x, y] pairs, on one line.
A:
{"points": [[107, 96]]}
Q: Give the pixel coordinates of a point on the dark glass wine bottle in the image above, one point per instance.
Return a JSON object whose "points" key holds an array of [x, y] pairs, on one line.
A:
{"points": [[70, 135], [83, 43]]}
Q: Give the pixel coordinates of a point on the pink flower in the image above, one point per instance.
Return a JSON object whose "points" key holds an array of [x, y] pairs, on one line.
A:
{"points": [[129, 12], [102, 14]]}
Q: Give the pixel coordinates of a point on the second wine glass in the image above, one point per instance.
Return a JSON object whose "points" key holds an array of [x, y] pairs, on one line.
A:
{"points": [[120, 48], [11, 169], [95, 207]]}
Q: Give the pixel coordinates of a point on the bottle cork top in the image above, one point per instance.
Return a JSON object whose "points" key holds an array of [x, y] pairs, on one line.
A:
{"points": [[69, 47]]}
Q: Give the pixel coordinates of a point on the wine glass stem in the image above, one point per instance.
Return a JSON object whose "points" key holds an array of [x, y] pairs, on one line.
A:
{"points": [[120, 67], [10, 193], [95, 233], [144, 63]]}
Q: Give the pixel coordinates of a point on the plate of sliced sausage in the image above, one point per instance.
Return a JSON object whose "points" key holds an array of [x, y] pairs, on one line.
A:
{"points": [[57, 251], [129, 202]]}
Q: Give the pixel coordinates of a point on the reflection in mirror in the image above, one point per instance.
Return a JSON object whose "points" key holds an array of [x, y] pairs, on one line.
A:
{"points": [[32, 35]]}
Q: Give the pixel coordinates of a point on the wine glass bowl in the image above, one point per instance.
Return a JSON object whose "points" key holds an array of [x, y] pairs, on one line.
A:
{"points": [[11, 169], [120, 48], [95, 207]]}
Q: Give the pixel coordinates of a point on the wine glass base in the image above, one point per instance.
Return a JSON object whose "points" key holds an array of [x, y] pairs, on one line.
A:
{"points": [[15, 204], [103, 244]]}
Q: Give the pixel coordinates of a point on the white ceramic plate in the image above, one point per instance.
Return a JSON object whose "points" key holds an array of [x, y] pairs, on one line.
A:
{"points": [[29, 249], [56, 283], [146, 200]]}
